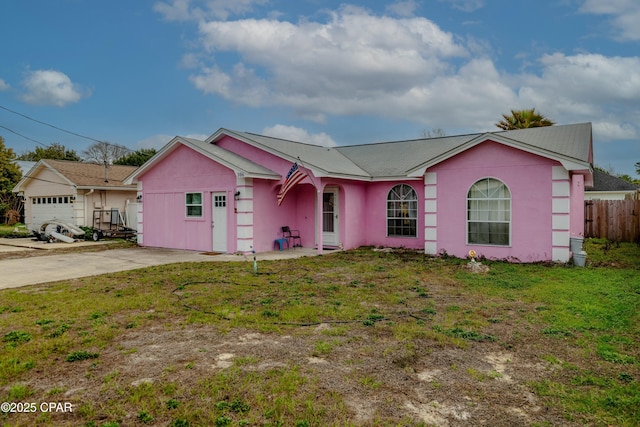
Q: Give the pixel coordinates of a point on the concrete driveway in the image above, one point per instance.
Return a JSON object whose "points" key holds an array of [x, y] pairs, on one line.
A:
{"points": [[53, 267]]}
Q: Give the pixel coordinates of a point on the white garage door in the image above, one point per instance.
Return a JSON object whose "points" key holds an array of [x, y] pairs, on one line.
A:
{"points": [[51, 207]]}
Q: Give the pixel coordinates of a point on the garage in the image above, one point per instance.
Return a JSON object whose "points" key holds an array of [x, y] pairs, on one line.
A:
{"points": [[70, 191], [51, 207]]}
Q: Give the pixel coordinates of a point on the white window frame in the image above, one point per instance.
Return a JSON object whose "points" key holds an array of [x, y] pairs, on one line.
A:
{"points": [[505, 207], [193, 205], [411, 205]]}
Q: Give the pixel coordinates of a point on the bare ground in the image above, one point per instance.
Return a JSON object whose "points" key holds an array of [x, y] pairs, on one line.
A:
{"points": [[380, 378]]}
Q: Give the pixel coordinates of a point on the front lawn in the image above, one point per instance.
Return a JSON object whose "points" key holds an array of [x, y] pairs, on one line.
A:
{"points": [[18, 230], [355, 338]]}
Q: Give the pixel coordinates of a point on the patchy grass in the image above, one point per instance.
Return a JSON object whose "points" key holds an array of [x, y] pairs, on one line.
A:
{"points": [[17, 230], [352, 338]]}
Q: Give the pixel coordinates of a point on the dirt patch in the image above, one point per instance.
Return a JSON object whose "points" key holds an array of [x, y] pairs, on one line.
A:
{"points": [[377, 377], [394, 346]]}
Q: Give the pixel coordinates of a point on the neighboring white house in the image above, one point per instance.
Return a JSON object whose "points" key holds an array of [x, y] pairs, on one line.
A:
{"points": [[71, 191], [609, 187]]}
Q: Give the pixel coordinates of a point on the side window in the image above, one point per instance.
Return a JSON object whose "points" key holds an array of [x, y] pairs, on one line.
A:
{"points": [[402, 212], [489, 213], [193, 205]]}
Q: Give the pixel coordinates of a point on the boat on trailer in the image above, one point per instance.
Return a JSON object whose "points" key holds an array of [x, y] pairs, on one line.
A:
{"points": [[56, 230]]}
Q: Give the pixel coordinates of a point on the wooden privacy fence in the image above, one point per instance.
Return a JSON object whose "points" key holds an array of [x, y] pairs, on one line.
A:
{"points": [[617, 220]]}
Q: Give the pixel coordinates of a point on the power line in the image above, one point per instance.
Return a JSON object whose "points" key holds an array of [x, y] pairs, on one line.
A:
{"points": [[50, 125], [23, 136]]}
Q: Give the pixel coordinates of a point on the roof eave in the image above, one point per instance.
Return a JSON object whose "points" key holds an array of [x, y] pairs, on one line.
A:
{"points": [[222, 132], [175, 143], [131, 187]]}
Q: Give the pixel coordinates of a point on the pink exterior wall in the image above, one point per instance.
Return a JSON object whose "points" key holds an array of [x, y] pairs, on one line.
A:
{"points": [[164, 211], [376, 216], [362, 204], [528, 178], [362, 213], [352, 213], [297, 211]]}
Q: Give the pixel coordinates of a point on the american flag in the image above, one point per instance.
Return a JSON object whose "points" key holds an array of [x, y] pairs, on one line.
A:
{"points": [[294, 176]]}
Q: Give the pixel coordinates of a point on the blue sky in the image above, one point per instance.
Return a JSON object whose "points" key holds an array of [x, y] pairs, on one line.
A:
{"points": [[139, 72]]}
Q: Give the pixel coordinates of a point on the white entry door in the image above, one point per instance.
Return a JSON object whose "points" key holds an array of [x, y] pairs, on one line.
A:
{"points": [[219, 221], [330, 225]]}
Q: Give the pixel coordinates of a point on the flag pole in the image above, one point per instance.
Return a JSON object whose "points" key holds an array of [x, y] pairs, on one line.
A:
{"points": [[301, 162]]}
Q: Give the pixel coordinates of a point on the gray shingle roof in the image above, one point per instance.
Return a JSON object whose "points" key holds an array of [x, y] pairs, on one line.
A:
{"points": [[232, 159], [602, 181], [567, 140], [327, 159], [396, 158], [392, 159]]}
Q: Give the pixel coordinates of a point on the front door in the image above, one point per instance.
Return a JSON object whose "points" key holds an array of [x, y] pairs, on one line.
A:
{"points": [[219, 221], [330, 226]]}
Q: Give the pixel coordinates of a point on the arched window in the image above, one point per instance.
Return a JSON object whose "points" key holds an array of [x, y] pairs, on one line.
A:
{"points": [[489, 213], [402, 211]]}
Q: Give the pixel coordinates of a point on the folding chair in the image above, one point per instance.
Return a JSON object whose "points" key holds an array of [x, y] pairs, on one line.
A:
{"points": [[290, 234]]}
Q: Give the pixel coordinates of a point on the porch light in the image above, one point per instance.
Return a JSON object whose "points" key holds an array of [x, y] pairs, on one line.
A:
{"points": [[139, 198], [237, 195]]}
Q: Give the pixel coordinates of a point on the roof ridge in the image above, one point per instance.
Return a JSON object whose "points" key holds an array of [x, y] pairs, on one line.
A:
{"points": [[304, 162]]}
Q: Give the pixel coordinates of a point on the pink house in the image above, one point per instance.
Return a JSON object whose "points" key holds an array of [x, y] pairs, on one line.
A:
{"points": [[507, 195]]}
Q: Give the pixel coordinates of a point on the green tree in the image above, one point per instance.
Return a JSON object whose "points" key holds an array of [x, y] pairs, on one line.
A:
{"points": [[10, 174], [136, 158], [54, 151], [629, 179], [523, 119], [638, 168]]}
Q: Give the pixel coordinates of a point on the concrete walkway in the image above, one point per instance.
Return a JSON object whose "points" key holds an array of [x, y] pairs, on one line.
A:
{"points": [[53, 267]]}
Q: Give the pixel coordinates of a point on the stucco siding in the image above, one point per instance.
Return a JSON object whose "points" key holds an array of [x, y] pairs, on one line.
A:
{"points": [[376, 216], [164, 187], [529, 180]]}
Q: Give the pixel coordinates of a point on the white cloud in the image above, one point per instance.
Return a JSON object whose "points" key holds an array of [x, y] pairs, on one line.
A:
{"points": [[357, 63], [587, 87], [403, 8], [293, 133], [178, 10], [465, 5], [339, 66], [50, 87], [190, 60], [625, 15], [213, 81], [4, 85], [608, 131], [196, 10]]}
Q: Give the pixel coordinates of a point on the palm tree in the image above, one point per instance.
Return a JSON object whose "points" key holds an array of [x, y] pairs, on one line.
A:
{"points": [[522, 119]]}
